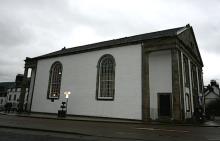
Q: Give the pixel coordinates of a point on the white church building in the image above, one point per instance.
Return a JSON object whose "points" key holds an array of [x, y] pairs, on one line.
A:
{"points": [[145, 77]]}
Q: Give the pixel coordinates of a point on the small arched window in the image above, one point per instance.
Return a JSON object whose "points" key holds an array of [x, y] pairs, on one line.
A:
{"points": [[106, 78], [55, 80]]}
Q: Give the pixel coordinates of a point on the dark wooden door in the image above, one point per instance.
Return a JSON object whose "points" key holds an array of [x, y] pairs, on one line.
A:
{"points": [[164, 105]]}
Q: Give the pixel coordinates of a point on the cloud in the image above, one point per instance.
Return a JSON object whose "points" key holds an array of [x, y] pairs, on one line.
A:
{"points": [[11, 34], [36, 27]]}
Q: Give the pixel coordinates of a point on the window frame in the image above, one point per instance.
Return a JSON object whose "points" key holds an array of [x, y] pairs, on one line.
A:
{"points": [[200, 80], [9, 98], [186, 71], [100, 96], [50, 83], [194, 78], [15, 97], [188, 102]]}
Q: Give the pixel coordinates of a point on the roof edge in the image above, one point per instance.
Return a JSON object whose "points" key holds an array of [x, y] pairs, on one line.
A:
{"points": [[114, 42]]}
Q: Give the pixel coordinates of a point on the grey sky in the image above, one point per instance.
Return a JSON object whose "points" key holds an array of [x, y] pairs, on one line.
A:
{"points": [[35, 27]]}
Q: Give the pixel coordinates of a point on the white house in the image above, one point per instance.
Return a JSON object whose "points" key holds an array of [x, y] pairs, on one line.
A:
{"points": [[13, 96], [150, 76], [10, 92], [211, 92], [4, 86]]}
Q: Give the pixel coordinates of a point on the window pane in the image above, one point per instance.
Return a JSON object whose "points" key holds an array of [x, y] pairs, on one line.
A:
{"points": [[55, 80], [106, 77]]}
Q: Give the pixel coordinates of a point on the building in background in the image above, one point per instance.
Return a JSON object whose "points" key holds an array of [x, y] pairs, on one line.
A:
{"points": [[212, 92], [10, 92], [4, 86], [152, 76]]}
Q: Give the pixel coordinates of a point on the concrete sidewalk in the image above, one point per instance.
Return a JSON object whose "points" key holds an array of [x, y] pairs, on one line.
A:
{"points": [[215, 123], [74, 118]]}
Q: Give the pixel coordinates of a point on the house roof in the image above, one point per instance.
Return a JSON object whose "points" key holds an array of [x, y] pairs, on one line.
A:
{"points": [[115, 42], [209, 89], [210, 92], [7, 85]]}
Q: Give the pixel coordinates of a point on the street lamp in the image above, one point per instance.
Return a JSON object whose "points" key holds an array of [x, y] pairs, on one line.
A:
{"points": [[67, 93]]}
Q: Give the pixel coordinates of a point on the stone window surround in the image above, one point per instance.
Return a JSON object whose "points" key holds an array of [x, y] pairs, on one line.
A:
{"points": [[58, 65], [99, 77]]}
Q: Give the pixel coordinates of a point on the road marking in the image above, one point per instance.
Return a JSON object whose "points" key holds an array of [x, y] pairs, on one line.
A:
{"points": [[167, 130]]}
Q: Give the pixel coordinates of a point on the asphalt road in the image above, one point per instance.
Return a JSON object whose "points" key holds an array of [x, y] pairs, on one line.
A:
{"points": [[24, 135], [67, 130], [28, 135]]}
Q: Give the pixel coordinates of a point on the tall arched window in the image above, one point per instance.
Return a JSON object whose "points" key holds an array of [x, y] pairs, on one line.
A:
{"points": [[106, 78], [55, 80]]}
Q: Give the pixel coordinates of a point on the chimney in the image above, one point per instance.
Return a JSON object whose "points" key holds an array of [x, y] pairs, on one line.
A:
{"points": [[214, 83]]}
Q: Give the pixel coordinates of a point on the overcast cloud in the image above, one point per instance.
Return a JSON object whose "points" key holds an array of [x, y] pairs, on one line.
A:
{"points": [[35, 27]]}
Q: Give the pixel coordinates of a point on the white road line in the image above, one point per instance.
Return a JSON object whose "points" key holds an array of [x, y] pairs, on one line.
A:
{"points": [[167, 130]]}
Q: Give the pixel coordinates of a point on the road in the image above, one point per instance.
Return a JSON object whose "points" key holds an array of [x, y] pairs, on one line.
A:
{"points": [[24, 135], [29, 135], [13, 128]]}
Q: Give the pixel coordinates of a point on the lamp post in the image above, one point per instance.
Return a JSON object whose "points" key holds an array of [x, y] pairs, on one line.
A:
{"points": [[67, 93]]}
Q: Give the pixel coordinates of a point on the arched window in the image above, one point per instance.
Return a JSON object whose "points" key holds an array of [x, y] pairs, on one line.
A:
{"points": [[55, 80], [106, 78]]}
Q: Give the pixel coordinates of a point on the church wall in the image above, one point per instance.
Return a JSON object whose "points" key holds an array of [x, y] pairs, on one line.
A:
{"points": [[160, 78], [79, 76]]}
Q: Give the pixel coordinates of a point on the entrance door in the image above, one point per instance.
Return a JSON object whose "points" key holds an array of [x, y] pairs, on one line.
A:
{"points": [[164, 104]]}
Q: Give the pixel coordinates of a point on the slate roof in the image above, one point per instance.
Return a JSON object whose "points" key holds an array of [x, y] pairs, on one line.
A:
{"points": [[7, 84], [115, 42], [208, 89]]}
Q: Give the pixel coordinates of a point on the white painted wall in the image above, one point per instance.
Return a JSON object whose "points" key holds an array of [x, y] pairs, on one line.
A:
{"points": [[210, 98], [160, 78], [216, 90], [2, 102], [79, 77], [212, 95]]}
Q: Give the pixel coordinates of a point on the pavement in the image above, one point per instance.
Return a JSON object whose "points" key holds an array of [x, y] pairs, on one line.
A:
{"points": [[73, 118], [99, 127], [210, 123]]}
